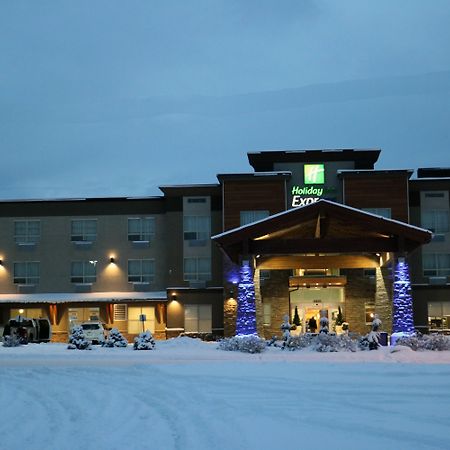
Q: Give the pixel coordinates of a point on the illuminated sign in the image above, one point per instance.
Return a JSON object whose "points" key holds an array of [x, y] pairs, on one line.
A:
{"points": [[314, 173]]}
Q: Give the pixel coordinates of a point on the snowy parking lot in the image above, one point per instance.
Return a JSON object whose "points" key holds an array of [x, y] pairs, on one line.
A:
{"points": [[186, 394]]}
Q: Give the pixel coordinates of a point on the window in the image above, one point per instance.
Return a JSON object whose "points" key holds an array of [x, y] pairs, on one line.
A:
{"points": [[83, 230], [83, 272], [197, 318], [253, 216], [141, 270], [383, 212], [120, 312], [197, 269], [436, 264], [370, 313], [436, 220], [267, 311], [27, 231], [135, 313], [141, 228], [439, 315], [79, 315], [197, 228], [26, 272]]}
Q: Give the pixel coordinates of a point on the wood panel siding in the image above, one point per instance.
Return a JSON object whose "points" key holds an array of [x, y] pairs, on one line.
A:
{"points": [[378, 190], [243, 195]]}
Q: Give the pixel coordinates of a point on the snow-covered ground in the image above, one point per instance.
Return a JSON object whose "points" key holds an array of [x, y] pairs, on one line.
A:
{"points": [[186, 394]]}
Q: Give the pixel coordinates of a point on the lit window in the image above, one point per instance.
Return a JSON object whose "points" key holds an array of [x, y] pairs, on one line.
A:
{"points": [[197, 228], [83, 272], [26, 272], [27, 231], [141, 270], [197, 318], [267, 309], [439, 315], [141, 228], [253, 216], [436, 264], [135, 314], [83, 230], [383, 212], [197, 269]]}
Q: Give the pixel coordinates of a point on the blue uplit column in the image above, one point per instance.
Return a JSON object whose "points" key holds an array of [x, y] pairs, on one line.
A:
{"points": [[402, 303], [246, 308]]}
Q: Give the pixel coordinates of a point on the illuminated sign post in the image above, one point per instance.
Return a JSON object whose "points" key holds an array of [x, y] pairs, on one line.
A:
{"points": [[314, 174]]}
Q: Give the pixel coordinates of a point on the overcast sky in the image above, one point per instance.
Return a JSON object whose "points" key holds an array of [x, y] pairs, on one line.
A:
{"points": [[115, 98]]}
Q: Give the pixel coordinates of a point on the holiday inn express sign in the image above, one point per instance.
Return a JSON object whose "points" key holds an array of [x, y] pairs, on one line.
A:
{"points": [[312, 191]]}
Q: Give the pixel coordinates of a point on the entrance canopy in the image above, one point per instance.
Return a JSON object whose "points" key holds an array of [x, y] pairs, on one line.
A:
{"points": [[325, 230]]}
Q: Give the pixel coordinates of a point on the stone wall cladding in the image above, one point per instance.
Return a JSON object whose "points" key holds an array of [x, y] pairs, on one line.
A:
{"points": [[275, 291], [383, 298], [258, 303], [358, 291], [229, 317]]}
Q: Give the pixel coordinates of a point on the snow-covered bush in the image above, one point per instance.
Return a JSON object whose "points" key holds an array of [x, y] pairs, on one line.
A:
{"points": [[372, 340], [77, 340], [12, 340], [115, 339], [144, 341], [246, 344], [324, 324], [437, 342], [322, 342]]}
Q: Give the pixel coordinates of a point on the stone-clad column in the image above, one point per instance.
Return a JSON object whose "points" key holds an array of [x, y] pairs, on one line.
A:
{"points": [[383, 298], [246, 307], [258, 303]]}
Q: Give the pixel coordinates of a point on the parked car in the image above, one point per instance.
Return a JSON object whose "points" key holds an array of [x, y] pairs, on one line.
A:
{"points": [[29, 330], [94, 331]]}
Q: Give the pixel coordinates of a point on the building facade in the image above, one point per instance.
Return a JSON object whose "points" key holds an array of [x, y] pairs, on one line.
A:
{"points": [[334, 228]]}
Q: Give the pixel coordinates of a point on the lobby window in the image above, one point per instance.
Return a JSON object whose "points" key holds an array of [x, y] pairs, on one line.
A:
{"points": [[197, 269], [83, 272], [439, 315], [267, 311], [141, 270], [370, 312], [141, 228], [383, 212], [83, 230], [197, 228], [436, 220], [436, 264], [26, 272], [135, 325], [27, 231], [197, 318], [253, 216]]}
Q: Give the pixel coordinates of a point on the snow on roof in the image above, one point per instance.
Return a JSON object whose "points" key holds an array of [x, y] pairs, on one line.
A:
{"points": [[266, 219], [65, 297]]}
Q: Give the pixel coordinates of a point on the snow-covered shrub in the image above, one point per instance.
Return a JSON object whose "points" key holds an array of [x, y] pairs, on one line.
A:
{"points": [[298, 342], [77, 340], [324, 324], [436, 342], [372, 340], [115, 339], [12, 340], [144, 341], [323, 342], [246, 344]]}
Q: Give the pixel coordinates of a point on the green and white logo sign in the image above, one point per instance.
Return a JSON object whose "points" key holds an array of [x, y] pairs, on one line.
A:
{"points": [[314, 173]]}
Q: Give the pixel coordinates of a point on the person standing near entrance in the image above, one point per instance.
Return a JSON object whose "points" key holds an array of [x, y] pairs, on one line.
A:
{"points": [[312, 324]]}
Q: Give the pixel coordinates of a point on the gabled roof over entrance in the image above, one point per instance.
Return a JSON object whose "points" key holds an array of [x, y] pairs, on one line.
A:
{"points": [[322, 227]]}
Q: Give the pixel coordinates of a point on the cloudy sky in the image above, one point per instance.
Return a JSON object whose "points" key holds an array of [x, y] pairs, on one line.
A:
{"points": [[112, 98]]}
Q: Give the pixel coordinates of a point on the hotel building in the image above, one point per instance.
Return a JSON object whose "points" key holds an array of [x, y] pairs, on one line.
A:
{"points": [[322, 230]]}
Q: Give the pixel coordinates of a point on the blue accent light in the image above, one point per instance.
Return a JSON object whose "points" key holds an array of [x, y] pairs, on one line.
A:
{"points": [[246, 307], [403, 311]]}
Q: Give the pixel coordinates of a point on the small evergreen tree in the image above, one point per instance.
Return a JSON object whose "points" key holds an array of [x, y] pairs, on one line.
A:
{"points": [[324, 324], [12, 340], [77, 340], [144, 341], [339, 317], [115, 339], [296, 319]]}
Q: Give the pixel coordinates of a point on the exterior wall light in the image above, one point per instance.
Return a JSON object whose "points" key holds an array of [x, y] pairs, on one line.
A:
{"points": [[112, 260], [1, 262]]}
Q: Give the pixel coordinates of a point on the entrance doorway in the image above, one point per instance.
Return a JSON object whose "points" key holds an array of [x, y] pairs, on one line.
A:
{"points": [[312, 302]]}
